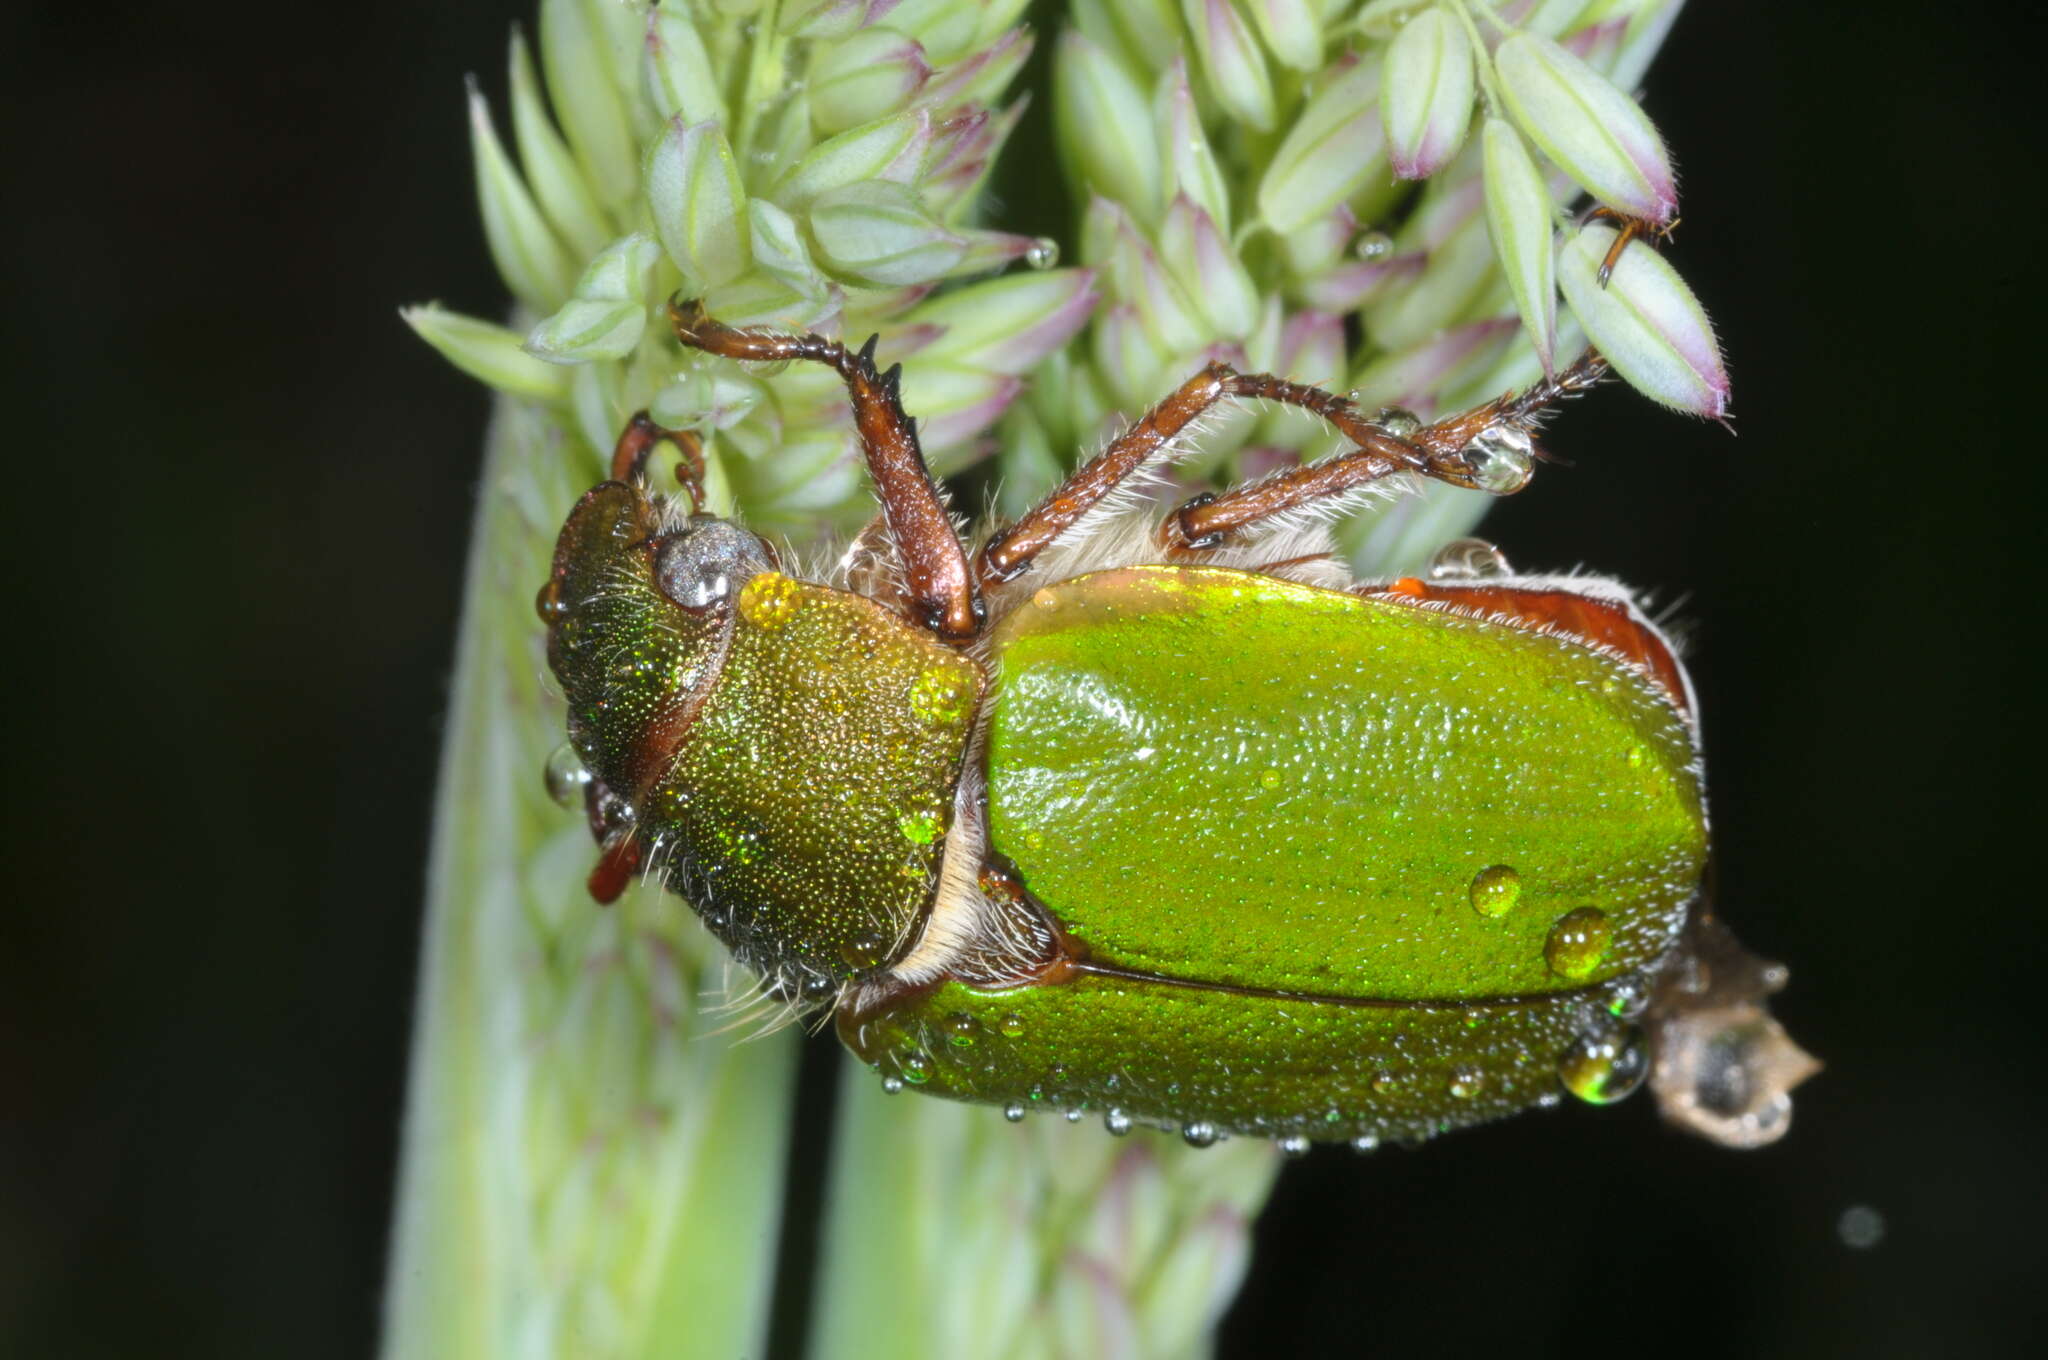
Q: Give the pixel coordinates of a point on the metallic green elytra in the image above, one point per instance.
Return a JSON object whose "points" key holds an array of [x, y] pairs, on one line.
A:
{"points": [[1188, 831]]}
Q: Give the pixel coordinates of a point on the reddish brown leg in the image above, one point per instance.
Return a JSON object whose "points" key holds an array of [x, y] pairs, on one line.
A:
{"points": [[1489, 447], [1631, 229], [1011, 551], [934, 566], [636, 445]]}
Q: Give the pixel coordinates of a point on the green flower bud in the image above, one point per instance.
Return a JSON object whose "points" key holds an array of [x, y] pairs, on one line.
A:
{"points": [[708, 398], [982, 78], [1548, 18], [825, 18], [588, 54], [1592, 130], [878, 232], [1104, 126], [1415, 377], [1646, 322], [1144, 34], [1190, 161], [1136, 275], [1208, 271], [1426, 93], [678, 69], [962, 151], [1008, 325], [870, 75], [699, 205], [605, 317], [529, 258], [946, 28], [779, 249], [1133, 366], [1321, 245], [1353, 284], [954, 405], [1292, 30], [491, 354], [551, 171], [1231, 61], [889, 149], [1448, 289], [1335, 148], [1521, 219]]}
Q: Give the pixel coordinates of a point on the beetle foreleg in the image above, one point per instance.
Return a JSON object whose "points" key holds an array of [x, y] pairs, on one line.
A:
{"points": [[942, 591], [636, 445]]}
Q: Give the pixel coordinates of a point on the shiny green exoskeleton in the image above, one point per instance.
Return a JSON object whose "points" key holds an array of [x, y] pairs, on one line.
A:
{"points": [[1182, 841]]}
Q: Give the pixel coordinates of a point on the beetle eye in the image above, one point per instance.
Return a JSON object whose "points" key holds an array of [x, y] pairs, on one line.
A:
{"points": [[702, 567]]}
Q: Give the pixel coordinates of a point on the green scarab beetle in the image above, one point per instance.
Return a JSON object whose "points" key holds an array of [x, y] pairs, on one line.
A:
{"points": [[1158, 813]]}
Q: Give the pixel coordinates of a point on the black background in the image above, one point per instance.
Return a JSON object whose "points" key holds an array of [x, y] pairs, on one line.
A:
{"points": [[239, 492]]}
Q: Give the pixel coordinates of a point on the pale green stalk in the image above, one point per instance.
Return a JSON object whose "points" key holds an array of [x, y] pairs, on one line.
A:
{"points": [[573, 1120], [591, 1167]]}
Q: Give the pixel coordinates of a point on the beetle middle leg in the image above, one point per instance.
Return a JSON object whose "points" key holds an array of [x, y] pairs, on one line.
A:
{"points": [[943, 594]]}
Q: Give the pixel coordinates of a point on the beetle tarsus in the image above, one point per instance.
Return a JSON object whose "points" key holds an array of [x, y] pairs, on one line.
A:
{"points": [[1631, 229]]}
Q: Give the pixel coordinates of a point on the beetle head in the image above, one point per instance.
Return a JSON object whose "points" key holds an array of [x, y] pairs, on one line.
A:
{"points": [[782, 753], [639, 609]]}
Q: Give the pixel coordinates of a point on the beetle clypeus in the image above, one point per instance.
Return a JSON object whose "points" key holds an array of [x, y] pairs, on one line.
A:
{"points": [[1166, 816]]}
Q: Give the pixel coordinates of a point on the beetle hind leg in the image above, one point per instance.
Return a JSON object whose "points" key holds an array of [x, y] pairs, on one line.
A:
{"points": [[1489, 448]]}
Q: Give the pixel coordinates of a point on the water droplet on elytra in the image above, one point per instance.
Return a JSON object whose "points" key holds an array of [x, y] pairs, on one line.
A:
{"points": [[1606, 1065], [769, 600], [1011, 1025], [1014, 1112], [565, 776], [1467, 559], [1384, 1083], [1294, 1145], [1116, 1121], [1495, 890], [1200, 1133], [917, 1067], [961, 1031], [549, 604], [863, 950], [939, 696], [1466, 1082], [891, 1085], [1269, 779], [1074, 1116], [920, 827], [1578, 942], [1364, 1143]]}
